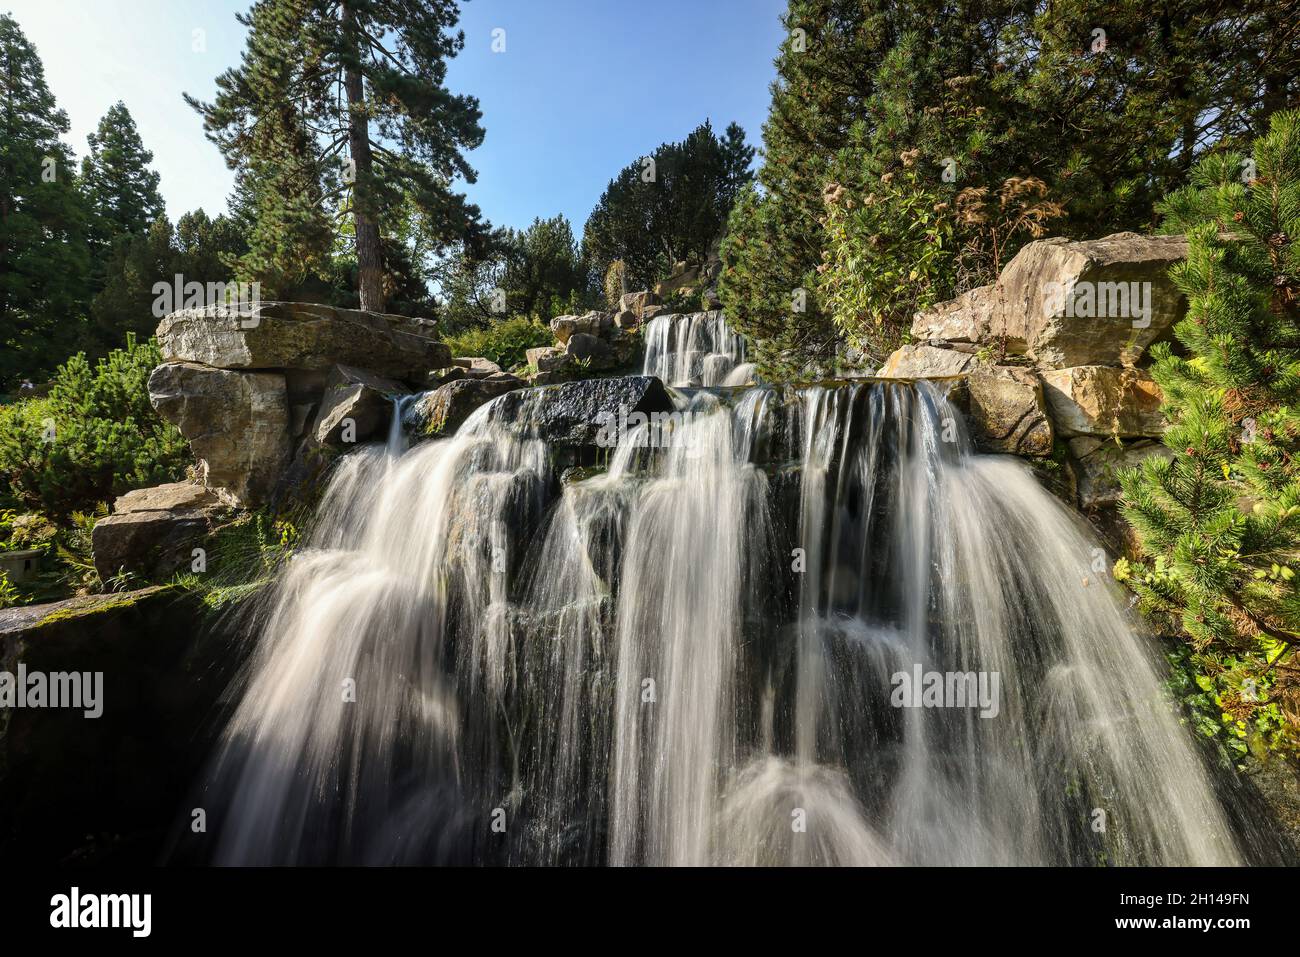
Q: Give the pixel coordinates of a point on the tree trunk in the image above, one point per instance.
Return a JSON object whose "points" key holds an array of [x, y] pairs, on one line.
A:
{"points": [[370, 258]]}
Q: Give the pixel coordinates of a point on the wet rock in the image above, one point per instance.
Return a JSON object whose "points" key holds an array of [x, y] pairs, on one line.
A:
{"points": [[153, 531], [1007, 412], [297, 335], [923, 362], [444, 410], [237, 424], [573, 413], [1103, 400], [1109, 281]]}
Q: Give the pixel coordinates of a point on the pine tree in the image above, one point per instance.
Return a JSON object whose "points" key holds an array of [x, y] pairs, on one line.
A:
{"points": [[655, 214], [121, 188], [774, 237], [363, 78], [1219, 520], [44, 262]]}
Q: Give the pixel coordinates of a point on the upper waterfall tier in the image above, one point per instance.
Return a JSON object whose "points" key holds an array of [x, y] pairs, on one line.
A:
{"points": [[695, 349]]}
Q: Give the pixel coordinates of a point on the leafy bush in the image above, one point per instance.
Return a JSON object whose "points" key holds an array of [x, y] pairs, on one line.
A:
{"points": [[504, 342], [92, 438], [888, 254]]}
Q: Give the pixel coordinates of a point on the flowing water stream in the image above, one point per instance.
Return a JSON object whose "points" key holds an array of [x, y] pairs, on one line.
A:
{"points": [[699, 654]]}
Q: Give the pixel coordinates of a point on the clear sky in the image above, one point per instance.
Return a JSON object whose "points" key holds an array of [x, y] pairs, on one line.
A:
{"points": [[583, 87]]}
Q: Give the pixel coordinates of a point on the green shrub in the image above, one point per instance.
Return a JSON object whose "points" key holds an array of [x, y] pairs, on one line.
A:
{"points": [[504, 342], [92, 438]]}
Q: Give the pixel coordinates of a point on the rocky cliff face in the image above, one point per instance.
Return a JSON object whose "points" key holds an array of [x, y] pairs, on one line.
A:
{"points": [[1052, 354]]}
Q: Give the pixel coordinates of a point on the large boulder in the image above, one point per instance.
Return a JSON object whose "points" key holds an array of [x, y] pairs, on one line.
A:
{"points": [[297, 335], [237, 424], [964, 319], [101, 788], [1097, 302], [593, 350], [592, 323], [573, 414], [153, 531], [637, 302], [1007, 412], [444, 410], [356, 405], [1103, 400], [925, 362], [1099, 463]]}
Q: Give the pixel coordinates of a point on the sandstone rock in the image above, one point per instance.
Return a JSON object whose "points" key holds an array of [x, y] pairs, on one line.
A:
{"points": [[1096, 281], [1100, 462], [442, 376], [153, 531], [923, 362], [237, 424], [296, 335], [441, 412], [548, 358], [592, 349], [573, 414], [964, 319], [1007, 412], [477, 364], [593, 323], [626, 319], [685, 276], [359, 397], [1103, 400], [637, 302]]}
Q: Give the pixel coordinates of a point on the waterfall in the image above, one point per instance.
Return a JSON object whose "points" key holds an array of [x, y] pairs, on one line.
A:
{"points": [[701, 653], [696, 349]]}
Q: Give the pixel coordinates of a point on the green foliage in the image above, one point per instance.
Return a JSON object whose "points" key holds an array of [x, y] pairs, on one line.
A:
{"points": [[121, 189], [669, 207], [1219, 522], [44, 261], [94, 437], [536, 272], [504, 342], [888, 254], [1002, 96], [9, 595], [342, 111]]}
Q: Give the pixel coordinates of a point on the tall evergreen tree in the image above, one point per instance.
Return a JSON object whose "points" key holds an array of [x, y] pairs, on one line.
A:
{"points": [[44, 263], [1219, 520], [654, 214], [361, 79], [121, 188]]}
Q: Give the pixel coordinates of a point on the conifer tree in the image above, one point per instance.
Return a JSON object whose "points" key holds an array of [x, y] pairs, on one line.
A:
{"points": [[1219, 520], [44, 263], [341, 109], [121, 188]]}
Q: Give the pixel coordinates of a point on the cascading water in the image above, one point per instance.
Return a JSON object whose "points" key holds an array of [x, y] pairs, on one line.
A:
{"points": [[695, 349], [694, 656]]}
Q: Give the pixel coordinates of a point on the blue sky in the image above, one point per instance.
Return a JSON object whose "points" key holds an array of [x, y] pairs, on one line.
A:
{"points": [[583, 88]]}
